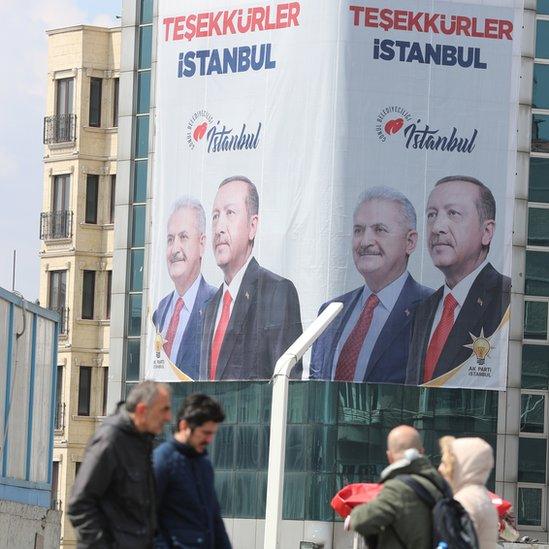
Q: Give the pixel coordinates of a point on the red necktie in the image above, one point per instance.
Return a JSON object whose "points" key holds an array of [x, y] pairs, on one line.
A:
{"points": [[220, 333], [439, 337], [172, 328], [346, 365]]}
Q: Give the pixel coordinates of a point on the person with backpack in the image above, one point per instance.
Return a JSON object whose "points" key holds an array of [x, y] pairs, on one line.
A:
{"points": [[398, 518], [466, 464]]}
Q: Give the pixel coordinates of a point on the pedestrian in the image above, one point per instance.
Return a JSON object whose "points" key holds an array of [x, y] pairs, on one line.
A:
{"points": [[112, 505], [466, 464], [397, 518], [188, 509]]}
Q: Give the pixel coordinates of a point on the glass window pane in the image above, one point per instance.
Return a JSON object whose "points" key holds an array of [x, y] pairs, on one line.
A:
{"points": [[88, 294], [138, 226], [542, 39], [140, 181], [294, 496], [540, 133], [535, 320], [249, 402], [529, 506], [245, 496], [132, 357], [92, 192], [537, 273], [143, 92], [96, 85], [142, 137], [134, 315], [531, 459], [223, 448], [247, 447], [540, 96], [84, 390], [136, 270], [145, 47], [320, 491], [538, 186], [538, 227], [146, 11], [532, 412], [224, 487], [535, 367]]}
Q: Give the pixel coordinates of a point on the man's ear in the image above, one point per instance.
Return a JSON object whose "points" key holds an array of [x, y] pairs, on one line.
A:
{"points": [[488, 228], [140, 409], [183, 425]]}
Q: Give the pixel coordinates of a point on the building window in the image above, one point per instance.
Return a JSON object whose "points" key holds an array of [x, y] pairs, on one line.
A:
{"points": [[105, 388], [115, 94], [57, 289], [532, 413], [92, 192], [61, 193], [59, 405], [535, 367], [88, 293], [537, 273], [108, 296], [112, 198], [64, 96], [535, 320], [55, 504], [538, 226], [143, 92], [538, 184], [540, 133], [531, 459], [84, 390], [96, 85], [530, 506]]}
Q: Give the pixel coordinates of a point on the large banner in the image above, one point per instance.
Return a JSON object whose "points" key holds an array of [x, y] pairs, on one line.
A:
{"points": [[316, 151]]}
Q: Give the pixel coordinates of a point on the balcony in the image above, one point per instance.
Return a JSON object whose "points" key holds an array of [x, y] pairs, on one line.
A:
{"points": [[60, 416], [60, 128], [55, 225], [63, 320]]}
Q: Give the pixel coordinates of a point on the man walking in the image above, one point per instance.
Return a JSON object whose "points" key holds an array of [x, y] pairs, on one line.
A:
{"points": [[397, 516], [112, 505], [188, 509]]}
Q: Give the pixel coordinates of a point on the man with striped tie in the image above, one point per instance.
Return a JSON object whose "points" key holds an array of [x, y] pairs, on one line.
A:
{"points": [[179, 315], [254, 316], [461, 220]]}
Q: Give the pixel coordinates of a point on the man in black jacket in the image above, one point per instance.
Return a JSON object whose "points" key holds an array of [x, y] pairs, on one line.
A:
{"points": [[188, 509], [112, 505]]}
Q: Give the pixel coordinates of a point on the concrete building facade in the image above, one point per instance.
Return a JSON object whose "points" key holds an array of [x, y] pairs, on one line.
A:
{"points": [[77, 232]]}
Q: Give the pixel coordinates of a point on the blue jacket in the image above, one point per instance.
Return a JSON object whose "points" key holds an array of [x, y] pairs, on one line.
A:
{"points": [[387, 363], [187, 505]]}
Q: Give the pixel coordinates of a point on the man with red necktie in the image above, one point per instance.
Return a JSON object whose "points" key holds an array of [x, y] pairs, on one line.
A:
{"points": [[461, 213], [368, 341], [254, 316], [178, 317]]}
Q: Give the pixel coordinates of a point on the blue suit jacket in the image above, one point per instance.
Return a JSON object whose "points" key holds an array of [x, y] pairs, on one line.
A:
{"points": [[387, 362], [188, 355]]}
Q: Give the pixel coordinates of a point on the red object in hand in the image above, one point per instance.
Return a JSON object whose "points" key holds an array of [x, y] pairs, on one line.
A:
{"points": [[501, 505], [352, 495]]}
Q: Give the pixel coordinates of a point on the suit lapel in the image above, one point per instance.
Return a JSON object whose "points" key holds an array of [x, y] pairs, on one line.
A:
{"points": [[400, 317], [246, 294], [469, 320], [209, 326], [191, 335], [423, 324]]}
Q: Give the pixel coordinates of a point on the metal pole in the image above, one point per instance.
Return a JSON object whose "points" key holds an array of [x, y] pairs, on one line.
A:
{"points": [[279, 414]]}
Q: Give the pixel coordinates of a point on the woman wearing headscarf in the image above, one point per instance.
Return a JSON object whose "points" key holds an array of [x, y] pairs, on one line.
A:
{"points": [[466, 464]]}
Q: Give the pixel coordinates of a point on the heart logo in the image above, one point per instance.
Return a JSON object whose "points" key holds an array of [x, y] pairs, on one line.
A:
{"points": [[200, 131], [394, 126]]}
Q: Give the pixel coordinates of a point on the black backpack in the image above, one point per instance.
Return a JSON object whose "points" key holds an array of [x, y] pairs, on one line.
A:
{"points": [[451, 523]]}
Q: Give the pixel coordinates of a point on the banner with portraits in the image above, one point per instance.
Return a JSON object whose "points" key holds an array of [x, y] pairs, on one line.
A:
{"points": [[315, 151]]}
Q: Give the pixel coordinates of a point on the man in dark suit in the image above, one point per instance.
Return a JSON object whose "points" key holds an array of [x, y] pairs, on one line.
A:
{"points": [[473, 302], [368, 341], [179, 315], [254, 316]]}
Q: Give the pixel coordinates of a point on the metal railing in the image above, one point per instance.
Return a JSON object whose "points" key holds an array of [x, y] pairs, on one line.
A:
{"points": [[63, 319], [60, 416], [59, 128], [54, 225]]}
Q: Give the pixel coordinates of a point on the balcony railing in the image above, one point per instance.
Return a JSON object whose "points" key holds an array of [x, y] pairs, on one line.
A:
{"points": [[60, 128], [55, 225], [60, 416]]}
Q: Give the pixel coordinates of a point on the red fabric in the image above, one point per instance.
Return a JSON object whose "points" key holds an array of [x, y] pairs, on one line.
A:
{"points": [[220, 333], [352, 495], [440, 335], [172, 328], [346, 365], [501, 505]]}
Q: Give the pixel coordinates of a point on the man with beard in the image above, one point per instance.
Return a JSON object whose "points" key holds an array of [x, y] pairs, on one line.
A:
{"points": [[179, 315], [254, 316], [368, 341], [474, 299]]}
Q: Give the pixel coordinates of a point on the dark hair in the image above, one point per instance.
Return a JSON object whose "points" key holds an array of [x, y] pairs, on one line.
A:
{"points": [[252, 198], [145, 392], [486, 204], [198, 409]]}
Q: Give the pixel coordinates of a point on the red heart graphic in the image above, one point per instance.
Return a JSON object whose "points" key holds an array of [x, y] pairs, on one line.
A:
{"points": [[200, 131], [394, 126]]}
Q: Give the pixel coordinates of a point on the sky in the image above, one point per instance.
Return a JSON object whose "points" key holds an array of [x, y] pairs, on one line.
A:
{"points": [[23, 100]]}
